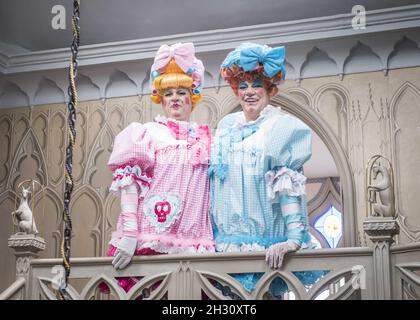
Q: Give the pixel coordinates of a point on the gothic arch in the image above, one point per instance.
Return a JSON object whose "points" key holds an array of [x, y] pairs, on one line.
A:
{"points": [[342, 96], [50, 220], [314, 120], [86, 196], [301, 94], [29, 141]]}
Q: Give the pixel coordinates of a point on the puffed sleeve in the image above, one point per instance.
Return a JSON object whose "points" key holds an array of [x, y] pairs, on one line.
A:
{"points": [[288, 150], [132, 159]]}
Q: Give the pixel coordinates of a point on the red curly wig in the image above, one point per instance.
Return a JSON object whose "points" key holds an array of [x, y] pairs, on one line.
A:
{"points": [[235, 75]]}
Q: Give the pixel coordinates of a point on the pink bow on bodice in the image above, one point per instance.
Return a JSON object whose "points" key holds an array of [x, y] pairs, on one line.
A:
{"points": [[199, 137], [179, 132]]}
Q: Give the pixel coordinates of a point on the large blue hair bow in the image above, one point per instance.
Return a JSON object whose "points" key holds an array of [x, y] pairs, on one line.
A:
{"points": [[271, 58], [248, 55]]}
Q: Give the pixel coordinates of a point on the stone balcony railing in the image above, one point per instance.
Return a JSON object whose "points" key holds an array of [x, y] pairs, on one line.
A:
{"points": [[377, 272]]}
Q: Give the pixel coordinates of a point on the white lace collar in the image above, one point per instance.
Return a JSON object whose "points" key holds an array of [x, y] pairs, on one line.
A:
{"points": [[267, 112]]}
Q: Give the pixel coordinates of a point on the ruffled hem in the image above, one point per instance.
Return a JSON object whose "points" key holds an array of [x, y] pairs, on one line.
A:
{"points": [[247, 240], [171, 245], [127, 176], [139, 252], [251, 247], [284, 181], [225, 243], [170, 249], [232, 247]]}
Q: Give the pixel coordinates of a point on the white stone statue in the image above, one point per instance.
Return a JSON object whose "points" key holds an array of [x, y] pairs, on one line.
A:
{"points": [[23, 217], [382, 185]]}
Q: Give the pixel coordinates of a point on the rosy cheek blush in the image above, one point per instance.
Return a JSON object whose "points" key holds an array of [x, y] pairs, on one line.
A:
{"points": [[187, 100], [259, 91]]}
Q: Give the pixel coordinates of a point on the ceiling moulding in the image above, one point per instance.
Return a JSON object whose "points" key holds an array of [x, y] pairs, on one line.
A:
{"points": [[214, 40], [3, 63]]}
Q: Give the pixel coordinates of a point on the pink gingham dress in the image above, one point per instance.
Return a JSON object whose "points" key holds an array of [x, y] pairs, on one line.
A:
{"points": [[167, 161]]}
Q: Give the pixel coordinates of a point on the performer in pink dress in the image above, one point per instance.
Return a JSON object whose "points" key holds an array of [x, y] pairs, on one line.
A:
{"points": [[160, 169]]}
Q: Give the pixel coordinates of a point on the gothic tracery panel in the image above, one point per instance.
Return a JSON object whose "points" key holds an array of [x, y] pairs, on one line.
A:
{"points": [[331, 102], [57, 140], [406, 124]]}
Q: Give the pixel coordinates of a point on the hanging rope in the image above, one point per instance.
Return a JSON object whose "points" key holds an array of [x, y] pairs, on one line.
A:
{"points": [[71, 134]]}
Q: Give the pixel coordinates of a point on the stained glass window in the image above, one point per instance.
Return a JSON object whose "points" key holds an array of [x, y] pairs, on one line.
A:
{"points": [[330, 226]]}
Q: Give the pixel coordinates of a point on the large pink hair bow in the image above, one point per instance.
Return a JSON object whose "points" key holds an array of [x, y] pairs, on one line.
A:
{"points": [[183, 53]]}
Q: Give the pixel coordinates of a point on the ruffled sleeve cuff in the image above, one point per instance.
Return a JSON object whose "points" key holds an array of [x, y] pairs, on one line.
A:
{"points": [[129, 175], [284, 181]]}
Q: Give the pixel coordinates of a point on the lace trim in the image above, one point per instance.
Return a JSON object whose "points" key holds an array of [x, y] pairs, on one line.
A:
{"points": [[166, 245], [174, 147], [252, 247], [231, 247], [162, 119], [285, 181], [129, 175], [169, 248], [267, 112]]}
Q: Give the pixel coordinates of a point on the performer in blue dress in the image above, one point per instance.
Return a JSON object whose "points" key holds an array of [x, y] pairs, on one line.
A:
{"points": [[257, 184]]}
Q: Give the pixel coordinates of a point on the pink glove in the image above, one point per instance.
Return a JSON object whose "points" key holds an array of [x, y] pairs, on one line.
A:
{"points": [[275, 253]]}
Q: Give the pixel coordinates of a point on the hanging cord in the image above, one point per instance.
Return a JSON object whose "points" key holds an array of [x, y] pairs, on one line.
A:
{"points": [[71, 134]]}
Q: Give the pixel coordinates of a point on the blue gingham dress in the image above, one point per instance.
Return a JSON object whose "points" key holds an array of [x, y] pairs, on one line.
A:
{"points": [[243, 216]]}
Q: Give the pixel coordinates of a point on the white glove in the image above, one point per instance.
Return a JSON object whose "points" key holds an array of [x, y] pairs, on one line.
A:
{"points": [[275, 253], [125, 251]]}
